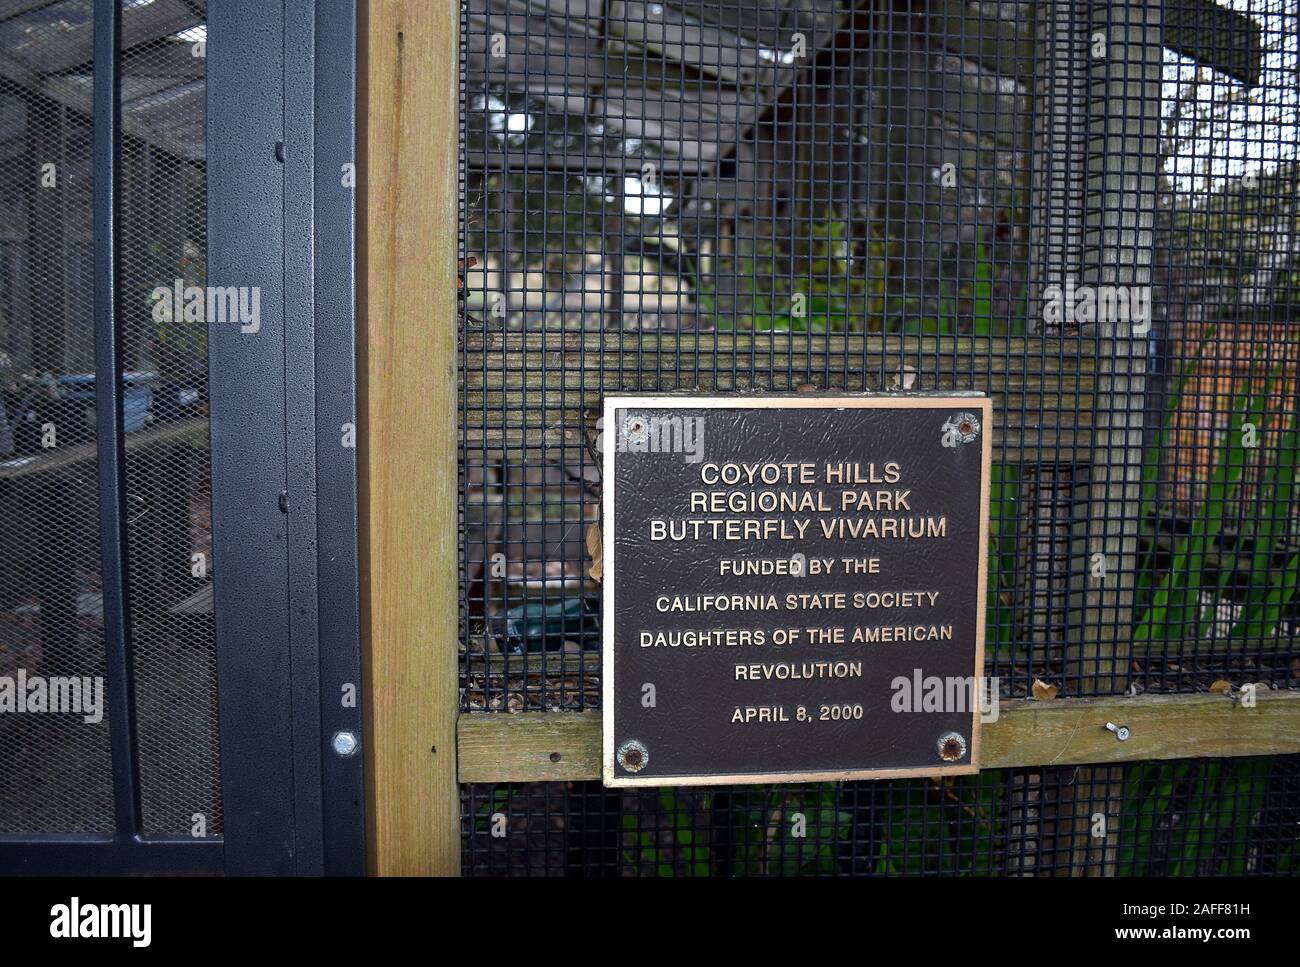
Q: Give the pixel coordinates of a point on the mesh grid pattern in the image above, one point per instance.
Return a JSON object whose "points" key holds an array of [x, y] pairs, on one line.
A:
{"points": [[169, 524], [752, 195], [1182, 818], [55, 769]]}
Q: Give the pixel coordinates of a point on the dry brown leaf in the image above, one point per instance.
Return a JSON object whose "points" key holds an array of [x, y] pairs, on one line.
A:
{"points": [[905, 378], [1221, 687], [596, 551], [1043, 691]]}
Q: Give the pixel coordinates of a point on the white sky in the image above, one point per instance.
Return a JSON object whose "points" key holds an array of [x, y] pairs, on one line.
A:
{"points": [[1231, 131]]}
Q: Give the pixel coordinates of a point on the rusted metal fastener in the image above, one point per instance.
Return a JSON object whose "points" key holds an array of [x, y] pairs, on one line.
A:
{"points": [[633, 756], [1121, 731], [636, 430], [952, 746], [960, 428]]}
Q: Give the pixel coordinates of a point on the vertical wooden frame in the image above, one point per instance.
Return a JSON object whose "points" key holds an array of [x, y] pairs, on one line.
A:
{"points": [[408, 94]]}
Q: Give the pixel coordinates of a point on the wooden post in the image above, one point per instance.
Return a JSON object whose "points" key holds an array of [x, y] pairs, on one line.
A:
{"points": [[407, 279]]}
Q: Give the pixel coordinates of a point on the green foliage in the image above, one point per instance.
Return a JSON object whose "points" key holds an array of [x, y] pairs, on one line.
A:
{"points": [[1169, 597], [1004, 508], [1190, 818], [839, 293], [1194, 818], [760, 839], [978, 295], [764, 837], [982, 293], [695, 855], [838, 288], [944, 826], [947, 825], [499, 803], [1180, 818]]}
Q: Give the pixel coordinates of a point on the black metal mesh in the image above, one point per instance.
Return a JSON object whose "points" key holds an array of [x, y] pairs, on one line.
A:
{"points": [[169, 523], [1201, 817], [55, 769], [900, 195]]}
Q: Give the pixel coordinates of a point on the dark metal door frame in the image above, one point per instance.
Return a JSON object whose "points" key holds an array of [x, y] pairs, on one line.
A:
{"points": [[284, 483], [284, 511]]}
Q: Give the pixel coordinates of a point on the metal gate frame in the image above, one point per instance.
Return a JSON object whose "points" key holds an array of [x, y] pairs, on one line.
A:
{"points": [[280, 138]]}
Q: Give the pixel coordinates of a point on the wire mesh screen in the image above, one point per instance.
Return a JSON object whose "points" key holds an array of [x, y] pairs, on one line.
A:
{"points": [[55, 771], [1203, 817], [56, 774], [1085, 209], [164, 328]]}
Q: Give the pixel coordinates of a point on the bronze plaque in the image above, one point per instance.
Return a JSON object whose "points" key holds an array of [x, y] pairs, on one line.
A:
{"points": [[794, 587]]}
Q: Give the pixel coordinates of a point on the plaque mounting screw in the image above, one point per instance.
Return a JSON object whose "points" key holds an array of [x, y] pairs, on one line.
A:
{"points": [[635, 429], [1121, 731], [344, 743], [633, 756], [961, 427], [952, 746]]}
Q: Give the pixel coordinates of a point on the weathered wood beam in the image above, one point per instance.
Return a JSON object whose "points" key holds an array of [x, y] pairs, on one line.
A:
{"points": [[565, 746], [407, 128], [683, 39], [770, 23]]}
